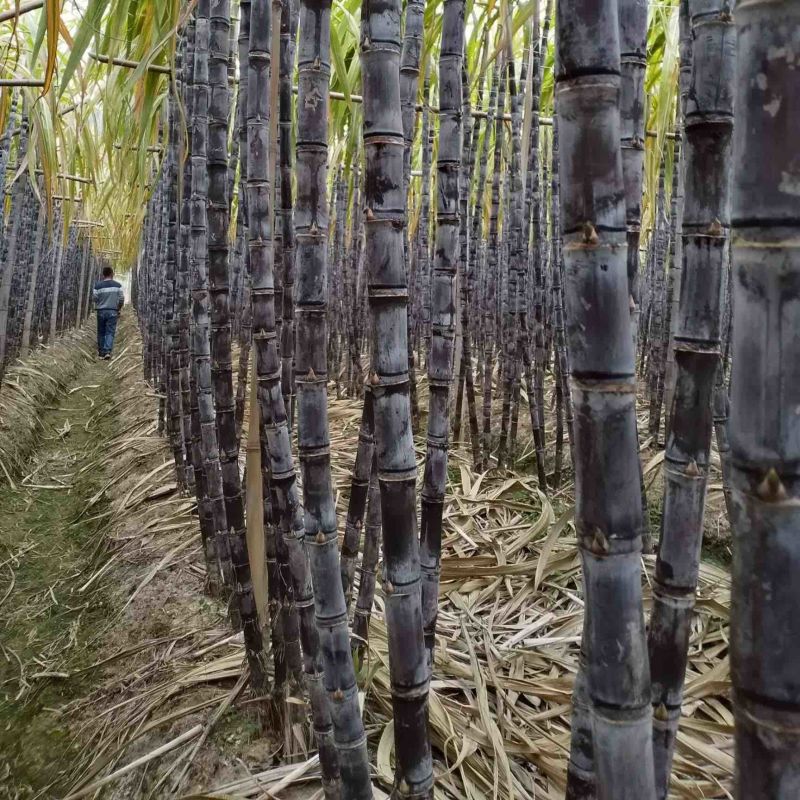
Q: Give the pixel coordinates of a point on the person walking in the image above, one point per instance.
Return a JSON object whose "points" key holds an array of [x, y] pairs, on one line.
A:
{"points": [[108, 300]]}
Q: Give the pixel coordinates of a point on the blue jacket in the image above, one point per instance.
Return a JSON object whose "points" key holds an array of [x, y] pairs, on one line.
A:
{"points": [[108, 295]]}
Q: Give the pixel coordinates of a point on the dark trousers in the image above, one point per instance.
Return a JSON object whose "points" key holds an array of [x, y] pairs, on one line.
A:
{"points": [[106, 329]]}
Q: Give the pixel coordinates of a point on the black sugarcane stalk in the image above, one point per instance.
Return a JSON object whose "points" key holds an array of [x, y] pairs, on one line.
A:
{"points": [[706, 222], [357, 504], [385, 218], [311, 294], [447, 257], [602, 364], [764, 424]]}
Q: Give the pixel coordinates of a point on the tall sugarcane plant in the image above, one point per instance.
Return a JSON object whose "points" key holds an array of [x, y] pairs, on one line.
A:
{"points": [[311, 292], [284, 516], [218, 215], [697, 332], [385, 205], [443, 310], [764, 424], [608, 506], [289, 19], [633, 62]]}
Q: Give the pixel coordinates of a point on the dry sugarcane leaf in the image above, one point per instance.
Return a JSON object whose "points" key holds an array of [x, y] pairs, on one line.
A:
{"points": [[384, 756]]}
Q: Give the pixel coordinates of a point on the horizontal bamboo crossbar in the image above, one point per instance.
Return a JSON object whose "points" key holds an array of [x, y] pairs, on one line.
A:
{"points": [[74, 178], [23, 9], [21, 82], [478, 113], [62, 175], [155, 148], [124, 62]]}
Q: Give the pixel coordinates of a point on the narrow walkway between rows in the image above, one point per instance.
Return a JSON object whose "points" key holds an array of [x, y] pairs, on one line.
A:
{"points": [[53, 559]]}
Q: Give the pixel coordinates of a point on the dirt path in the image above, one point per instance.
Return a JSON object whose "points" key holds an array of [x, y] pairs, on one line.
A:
{"points": [[53, 591]]}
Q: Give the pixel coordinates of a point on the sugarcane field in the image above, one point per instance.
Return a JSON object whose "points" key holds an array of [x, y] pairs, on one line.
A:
{"points": [[400, 399]]}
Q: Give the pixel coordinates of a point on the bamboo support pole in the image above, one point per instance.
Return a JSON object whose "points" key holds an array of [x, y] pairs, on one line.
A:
{"points": [[21, 82], [125, 62], [62, 175], [155, 148], [477, 113], [23, 9]]}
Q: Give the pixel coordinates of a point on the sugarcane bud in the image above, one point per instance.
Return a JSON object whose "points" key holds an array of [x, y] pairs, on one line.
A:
{"points": [[338, 695], [771, 489], [691, 470], [715, 228], [589, 234], [317, 63], [312, 376], [369, 214], [660, 712], [388, 588], [314, 231], [599, 542], [403, 787], [320, 538], [374, 379]]}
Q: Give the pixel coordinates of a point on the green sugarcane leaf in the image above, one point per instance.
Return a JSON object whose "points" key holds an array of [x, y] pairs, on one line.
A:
{"points": [[89, 24]]}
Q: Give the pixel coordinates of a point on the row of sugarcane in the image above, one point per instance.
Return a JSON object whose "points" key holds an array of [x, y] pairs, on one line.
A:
{"points": [[348, 276], [310, 290], [507, 266], [539, 347], [47, 268]]}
